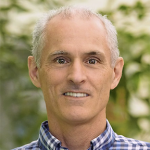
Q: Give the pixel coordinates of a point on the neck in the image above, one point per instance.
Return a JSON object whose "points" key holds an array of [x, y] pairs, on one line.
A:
{"points": [[77, 136]]}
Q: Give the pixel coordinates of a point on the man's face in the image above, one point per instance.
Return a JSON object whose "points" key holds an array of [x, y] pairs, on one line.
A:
{"points": [[75, 74]]}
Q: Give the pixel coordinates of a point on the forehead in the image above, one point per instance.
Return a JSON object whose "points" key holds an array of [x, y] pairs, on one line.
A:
{"points": [[76, 22], [77, 25]]}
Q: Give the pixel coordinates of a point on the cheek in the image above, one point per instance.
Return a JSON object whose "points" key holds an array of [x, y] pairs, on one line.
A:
{"points": [[102, 78], [51, 77], [51, 83], [102, 83], [56, 78], [103, 92]]}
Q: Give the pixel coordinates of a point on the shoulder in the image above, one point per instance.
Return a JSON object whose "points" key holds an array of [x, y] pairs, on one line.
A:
{"points": [[122, 142], [31, 146]]}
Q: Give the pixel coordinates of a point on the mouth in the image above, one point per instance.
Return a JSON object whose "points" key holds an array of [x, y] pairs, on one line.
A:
{"points": [[76, 94]]}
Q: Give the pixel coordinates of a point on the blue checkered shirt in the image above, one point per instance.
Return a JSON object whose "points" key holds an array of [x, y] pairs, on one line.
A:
{"points": [[108, 140]]}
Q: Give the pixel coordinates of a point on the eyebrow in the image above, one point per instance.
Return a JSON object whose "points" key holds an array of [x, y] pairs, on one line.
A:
{"points": [[61, 52], [94, 53]]}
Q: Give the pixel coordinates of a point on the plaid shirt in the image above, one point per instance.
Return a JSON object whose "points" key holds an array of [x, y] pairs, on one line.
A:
{"points": [[108, 140]]}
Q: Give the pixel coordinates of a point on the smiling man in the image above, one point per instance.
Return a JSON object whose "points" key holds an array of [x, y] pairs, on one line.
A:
{"points": [[76, 63]]}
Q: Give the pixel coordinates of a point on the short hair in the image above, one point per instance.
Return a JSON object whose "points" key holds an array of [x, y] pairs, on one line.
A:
{"points": [[39, 34]]}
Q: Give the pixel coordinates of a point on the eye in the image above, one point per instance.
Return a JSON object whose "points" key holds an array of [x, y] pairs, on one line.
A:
{"points": [[61, 61], [92, 61]]}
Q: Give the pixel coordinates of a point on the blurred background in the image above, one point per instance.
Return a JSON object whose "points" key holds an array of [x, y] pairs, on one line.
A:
{"points": [[22, 108]]}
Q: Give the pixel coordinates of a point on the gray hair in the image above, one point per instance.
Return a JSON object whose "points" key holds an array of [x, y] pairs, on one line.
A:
{"points": [[39, 33]]}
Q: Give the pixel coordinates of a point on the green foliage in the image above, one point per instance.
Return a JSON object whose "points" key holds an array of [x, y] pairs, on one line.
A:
{"points": [[21, 104]]}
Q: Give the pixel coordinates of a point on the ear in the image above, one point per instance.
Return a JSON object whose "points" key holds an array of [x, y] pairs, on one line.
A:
{"points": [[33, 71], [117, 72]]}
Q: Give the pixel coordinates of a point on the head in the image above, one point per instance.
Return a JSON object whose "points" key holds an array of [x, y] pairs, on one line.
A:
{"points": [[75, 62], [39, 33]]}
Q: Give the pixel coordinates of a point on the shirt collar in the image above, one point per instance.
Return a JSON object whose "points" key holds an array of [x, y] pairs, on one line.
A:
{"points": [[104, 140], [47, 141]]}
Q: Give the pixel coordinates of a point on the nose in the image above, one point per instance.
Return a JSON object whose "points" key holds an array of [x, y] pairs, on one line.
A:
{"points": [[76, 73]]}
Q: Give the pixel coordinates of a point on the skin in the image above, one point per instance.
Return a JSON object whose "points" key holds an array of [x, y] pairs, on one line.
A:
{"points": [[74, 60]]}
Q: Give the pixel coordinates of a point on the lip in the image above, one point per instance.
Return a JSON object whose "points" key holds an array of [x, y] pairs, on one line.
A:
{"points": [[76, 94]]}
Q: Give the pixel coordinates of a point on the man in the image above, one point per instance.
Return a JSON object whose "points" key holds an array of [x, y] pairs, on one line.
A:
{"points": [[76, 63]]}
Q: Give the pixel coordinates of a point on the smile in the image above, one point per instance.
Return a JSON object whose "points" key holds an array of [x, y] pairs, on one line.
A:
{"points": [[75, 94]]}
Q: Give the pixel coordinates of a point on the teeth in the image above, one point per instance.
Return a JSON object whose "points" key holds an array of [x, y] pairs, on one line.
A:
{"points": [[76, 94]]}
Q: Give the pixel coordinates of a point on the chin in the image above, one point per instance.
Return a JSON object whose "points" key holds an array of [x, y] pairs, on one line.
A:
{"points": [[77, 118]]}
